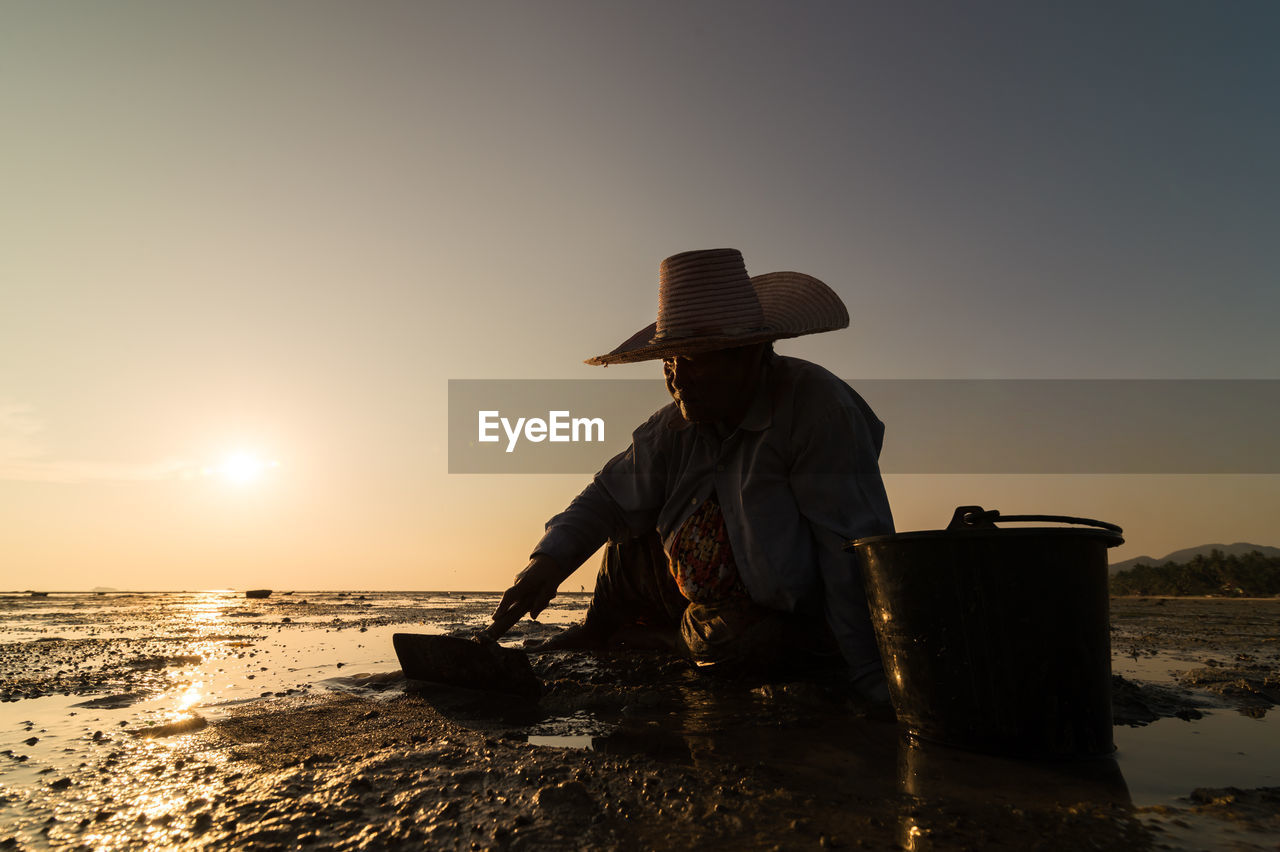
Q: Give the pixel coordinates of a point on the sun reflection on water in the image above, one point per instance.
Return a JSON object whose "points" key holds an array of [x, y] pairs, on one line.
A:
{"points": [[206, 608], [190, 698], [154, 797]]}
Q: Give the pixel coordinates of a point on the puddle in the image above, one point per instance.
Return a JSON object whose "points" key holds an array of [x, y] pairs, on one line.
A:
{"points": [[1170, 757], [576, 741], [1160, 667], [580, 730]]}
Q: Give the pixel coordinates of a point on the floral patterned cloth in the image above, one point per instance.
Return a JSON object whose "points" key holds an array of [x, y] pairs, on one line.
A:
{"points": [[702, 558]]}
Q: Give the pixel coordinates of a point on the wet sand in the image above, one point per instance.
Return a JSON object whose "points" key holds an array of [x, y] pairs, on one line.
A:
{"points": [[213, 723]]}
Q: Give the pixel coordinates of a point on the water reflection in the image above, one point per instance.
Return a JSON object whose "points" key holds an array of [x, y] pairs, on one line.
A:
{"points": [[206, 609], [928, 770], [937, 782], [928, 796], [166, 805], [808, 742], [189, 697]]}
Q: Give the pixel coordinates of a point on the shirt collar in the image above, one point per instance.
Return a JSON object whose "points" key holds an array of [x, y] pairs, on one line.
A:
{"points": [[759, 414]]}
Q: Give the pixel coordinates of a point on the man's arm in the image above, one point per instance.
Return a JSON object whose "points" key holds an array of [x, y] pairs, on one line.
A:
{"points": [[622, 501], [532, 590], [571, 537]]}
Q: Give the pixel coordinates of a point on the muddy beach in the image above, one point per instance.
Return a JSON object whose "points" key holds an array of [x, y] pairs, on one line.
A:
{"points": [[213, 722]]}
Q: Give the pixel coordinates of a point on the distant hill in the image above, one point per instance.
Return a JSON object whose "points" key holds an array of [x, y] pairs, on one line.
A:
{"points": [[1240, 548]]}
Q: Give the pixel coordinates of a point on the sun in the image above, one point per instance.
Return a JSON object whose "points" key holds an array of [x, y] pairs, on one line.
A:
{"points": [[244, 467]]}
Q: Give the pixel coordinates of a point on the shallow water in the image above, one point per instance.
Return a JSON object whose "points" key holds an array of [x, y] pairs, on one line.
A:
{"points": [[1164, 760], [83, 670], [153, 659]]}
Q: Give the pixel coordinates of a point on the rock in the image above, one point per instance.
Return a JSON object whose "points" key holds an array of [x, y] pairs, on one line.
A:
{"points": [[111, 702], [1258, 805], [568, 800], [258, 593], [1137, 704], [474, 662], [185, 726]]}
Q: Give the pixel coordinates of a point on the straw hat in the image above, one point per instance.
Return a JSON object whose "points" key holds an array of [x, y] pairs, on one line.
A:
{"points": [[707, 301]]}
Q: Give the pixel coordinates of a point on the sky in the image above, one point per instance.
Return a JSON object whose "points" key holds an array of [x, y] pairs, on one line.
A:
{"points": [[279, 231]]}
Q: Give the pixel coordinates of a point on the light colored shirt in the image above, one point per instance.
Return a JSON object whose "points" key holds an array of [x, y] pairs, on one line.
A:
{"points": [[797, 479]]}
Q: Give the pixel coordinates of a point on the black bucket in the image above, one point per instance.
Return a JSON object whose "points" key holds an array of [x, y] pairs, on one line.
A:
{"points": [[997, 640]]}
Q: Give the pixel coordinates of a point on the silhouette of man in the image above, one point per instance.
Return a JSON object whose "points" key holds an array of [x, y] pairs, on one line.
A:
{"points": [[725, 519]]}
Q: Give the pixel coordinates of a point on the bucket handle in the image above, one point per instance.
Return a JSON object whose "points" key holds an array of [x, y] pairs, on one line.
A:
{"points": [[977, 518]]}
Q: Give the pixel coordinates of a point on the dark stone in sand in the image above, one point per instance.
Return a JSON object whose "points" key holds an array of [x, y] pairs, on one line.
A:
{"points": [[1269, 796], [149, 663], [110, 702], [258, 593], [569, 800], [185, 726], [1137, 704], [1246, 685], [1258, 808], [473, 662]]}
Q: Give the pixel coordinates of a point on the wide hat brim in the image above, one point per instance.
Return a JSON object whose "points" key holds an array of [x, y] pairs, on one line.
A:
{"points": [[792, 304]]}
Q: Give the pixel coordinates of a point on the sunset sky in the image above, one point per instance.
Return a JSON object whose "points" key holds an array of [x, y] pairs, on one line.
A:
{"points": [[244, 247]]}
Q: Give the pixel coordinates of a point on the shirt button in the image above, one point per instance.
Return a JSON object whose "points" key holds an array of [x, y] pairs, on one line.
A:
{"points": [[719, 467], [694, 501]]}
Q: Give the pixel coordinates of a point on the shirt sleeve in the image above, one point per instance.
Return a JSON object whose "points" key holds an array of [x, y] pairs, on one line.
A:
{"points": [[621, 502], [836, 479]]}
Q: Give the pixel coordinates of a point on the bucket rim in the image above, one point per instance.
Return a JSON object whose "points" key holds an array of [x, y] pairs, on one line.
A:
{"points": [[1107, 537]]}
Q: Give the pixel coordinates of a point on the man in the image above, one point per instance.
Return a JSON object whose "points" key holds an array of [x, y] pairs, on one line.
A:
{"points": [[727, 515]]}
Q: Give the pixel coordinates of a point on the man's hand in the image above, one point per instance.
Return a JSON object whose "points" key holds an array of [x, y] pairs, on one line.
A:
{"points": [[533, 589]]}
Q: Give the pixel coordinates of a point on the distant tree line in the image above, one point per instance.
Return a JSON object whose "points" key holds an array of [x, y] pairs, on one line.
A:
{"points": [[1250, 575]]}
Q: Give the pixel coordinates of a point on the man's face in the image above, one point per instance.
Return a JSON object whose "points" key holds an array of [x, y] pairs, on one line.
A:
{"points": [[716, 386]]}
